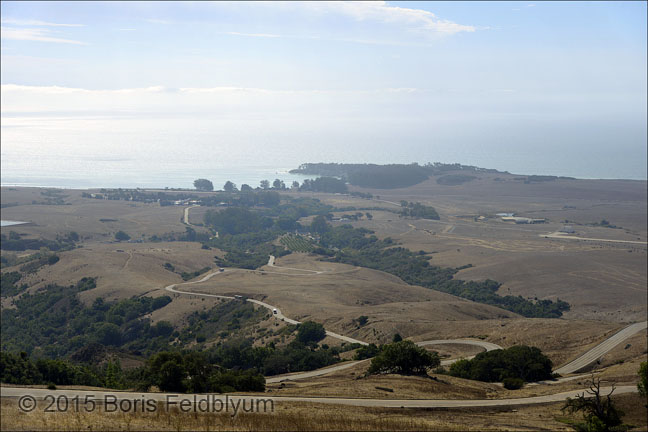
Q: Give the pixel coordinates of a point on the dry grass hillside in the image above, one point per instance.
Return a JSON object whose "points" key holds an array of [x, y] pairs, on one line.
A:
{"points": [[600, 279], [603, 281]]}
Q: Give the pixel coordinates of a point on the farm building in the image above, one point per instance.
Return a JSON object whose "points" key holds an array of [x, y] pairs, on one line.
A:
{"points": [[522, 220]]}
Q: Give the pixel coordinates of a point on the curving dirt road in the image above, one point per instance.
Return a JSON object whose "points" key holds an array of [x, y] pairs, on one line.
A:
{"points": [[279, 315], [276, 312], [186, 214]]}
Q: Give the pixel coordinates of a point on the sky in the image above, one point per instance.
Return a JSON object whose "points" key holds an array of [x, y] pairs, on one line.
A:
{"points": [[502, 73]]}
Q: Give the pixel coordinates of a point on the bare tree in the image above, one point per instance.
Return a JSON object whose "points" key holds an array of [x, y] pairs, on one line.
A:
{"points": [[599, 411]]}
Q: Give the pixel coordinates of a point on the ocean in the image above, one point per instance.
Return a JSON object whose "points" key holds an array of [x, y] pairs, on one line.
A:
{"points": [[127, 152]]}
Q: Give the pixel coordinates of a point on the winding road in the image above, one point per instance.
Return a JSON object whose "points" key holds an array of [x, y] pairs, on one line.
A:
{"points": [[599, 350], [582, 361], [579, 363]]}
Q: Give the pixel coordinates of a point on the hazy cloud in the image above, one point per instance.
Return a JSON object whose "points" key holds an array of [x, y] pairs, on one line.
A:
{"points": [[34, 34], [23, 22], [398, 21], [261, 35], [157, 21], [412, 19]]}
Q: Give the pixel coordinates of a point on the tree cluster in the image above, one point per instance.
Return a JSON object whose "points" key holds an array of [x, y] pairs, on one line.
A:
{"points": [[520, 361], [294, 357], [16, 242], [203, 185], [55, 323], [404, 358], [418, 210], [324, 184], [193, 372]]}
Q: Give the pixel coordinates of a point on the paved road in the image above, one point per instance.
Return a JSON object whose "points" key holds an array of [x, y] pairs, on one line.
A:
{"points": [[598, 351], [17, 392], [558, 235]]}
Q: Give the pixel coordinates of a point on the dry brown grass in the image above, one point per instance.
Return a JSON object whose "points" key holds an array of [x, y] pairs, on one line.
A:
{"points": [[123, 269], [335, 299], [297, 416], [84, 216], [313, 417], [600, 280]]}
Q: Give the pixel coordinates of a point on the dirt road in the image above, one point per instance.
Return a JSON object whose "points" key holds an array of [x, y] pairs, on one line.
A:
{"points": [[186, 214]]}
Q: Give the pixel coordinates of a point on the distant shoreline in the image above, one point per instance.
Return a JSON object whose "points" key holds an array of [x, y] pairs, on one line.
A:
{"points": [[251, 177], [159, 189]]}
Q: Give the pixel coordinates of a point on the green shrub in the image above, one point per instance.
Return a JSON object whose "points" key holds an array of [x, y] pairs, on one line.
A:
{"points": [[513, 383], [523, 362], [310, 331], [642, 386], [405, 358], [362, 320], [121, 236], [366, 352]]}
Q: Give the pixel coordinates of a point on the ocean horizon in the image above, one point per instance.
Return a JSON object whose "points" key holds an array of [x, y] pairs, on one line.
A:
{"points": [[173, 152]]}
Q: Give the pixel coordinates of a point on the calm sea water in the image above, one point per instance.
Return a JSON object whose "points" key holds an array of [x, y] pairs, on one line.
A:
{"points": [[126, 152]]}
